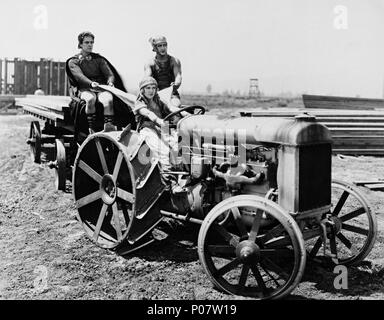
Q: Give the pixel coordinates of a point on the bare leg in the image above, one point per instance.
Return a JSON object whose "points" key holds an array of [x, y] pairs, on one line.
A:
{"points": [[90, 100], [106, 100], [161, 151], [90, 109]]}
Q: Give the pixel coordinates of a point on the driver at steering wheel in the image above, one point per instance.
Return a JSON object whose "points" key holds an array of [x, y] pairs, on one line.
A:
{"points": [[150, 112]]}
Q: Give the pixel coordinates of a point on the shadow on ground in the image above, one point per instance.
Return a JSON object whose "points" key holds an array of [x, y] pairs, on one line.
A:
{"points": [[179, 243], [363, 279]]}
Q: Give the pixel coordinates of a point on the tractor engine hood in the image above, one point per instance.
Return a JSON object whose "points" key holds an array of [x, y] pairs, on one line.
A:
{"points": [[301, 130]]}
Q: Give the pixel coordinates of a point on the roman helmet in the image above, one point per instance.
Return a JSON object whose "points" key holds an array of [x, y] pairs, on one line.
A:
{"points": [[154, 41]]}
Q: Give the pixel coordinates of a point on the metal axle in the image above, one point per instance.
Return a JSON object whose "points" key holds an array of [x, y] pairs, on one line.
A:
{"points": [[180, 217]]}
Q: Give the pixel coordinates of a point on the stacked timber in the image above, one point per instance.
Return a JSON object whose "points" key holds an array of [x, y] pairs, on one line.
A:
{"points": [[372, 184], [333, 102], [354, 132], [54, 108]]}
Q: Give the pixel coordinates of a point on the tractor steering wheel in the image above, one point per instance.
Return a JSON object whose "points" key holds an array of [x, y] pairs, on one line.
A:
{"points": [[188, 109]]}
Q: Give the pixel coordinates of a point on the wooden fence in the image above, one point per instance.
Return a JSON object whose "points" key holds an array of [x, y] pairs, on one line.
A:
{"points": [[20, 77]]}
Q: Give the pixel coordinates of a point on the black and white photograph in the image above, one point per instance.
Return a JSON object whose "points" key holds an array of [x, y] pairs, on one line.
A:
{"points": [[211, 152]]}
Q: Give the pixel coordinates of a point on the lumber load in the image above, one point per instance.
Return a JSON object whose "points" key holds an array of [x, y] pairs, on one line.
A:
{"points": [[375, 185], [366, 182], [336, 102], [53, 103], [326, 113], [354, 132], [55, 108]]}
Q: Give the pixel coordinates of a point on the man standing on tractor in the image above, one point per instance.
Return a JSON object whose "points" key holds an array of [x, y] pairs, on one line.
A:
{"points": [[165, 68], [86, 71]]}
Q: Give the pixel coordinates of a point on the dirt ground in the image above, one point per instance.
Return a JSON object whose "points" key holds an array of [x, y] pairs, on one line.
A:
{"points": [[44, 253]]}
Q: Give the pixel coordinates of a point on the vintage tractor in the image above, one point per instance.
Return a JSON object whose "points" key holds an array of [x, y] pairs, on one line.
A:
{"points": [[260, 188]]}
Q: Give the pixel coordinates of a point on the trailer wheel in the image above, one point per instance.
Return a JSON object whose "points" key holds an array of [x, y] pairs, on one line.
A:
{"points": [[34, 141], [60, 165], [354, 226], [258, 252]]}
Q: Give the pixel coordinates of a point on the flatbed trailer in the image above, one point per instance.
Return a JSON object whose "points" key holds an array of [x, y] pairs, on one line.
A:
{"points": [[65, 127], [58, 133]]}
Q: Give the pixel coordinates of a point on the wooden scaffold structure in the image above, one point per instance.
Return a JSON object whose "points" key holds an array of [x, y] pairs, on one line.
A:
{"points": [[21, 77]]}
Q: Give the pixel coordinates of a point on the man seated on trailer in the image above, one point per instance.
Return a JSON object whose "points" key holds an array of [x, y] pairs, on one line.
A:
{"points": [[88, 70]]}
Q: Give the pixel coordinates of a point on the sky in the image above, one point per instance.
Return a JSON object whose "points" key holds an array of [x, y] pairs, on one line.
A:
{"points": [[332, 47]]}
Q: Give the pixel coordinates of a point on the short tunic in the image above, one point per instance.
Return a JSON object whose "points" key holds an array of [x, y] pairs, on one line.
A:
{"points": [[92, 68], [163, 73]]}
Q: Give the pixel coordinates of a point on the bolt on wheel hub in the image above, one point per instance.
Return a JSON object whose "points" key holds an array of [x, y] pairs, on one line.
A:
{"points": [[336, 223], [108, 189], [248, 252]]}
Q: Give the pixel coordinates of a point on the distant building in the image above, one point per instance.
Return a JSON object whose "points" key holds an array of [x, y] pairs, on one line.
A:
{"points": [[254, 88]]}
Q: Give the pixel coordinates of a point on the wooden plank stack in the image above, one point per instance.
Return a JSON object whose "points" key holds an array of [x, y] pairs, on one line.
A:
{"points": [[54, 108], [354, 132], [349, 103], [372, 184]]}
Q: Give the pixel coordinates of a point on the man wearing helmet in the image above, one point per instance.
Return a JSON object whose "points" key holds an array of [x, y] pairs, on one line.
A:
{"points": [[86, 71], [165, 68]]}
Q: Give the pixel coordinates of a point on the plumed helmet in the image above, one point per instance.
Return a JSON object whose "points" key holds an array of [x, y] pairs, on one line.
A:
{"points": [[147, 81], [154, 41], [82, 35]]}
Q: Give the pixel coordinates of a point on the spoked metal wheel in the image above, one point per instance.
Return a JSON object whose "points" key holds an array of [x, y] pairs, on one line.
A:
{"points": [[103, 187], [34, 141], [250, 246], [60, 165], [352, 227]]}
